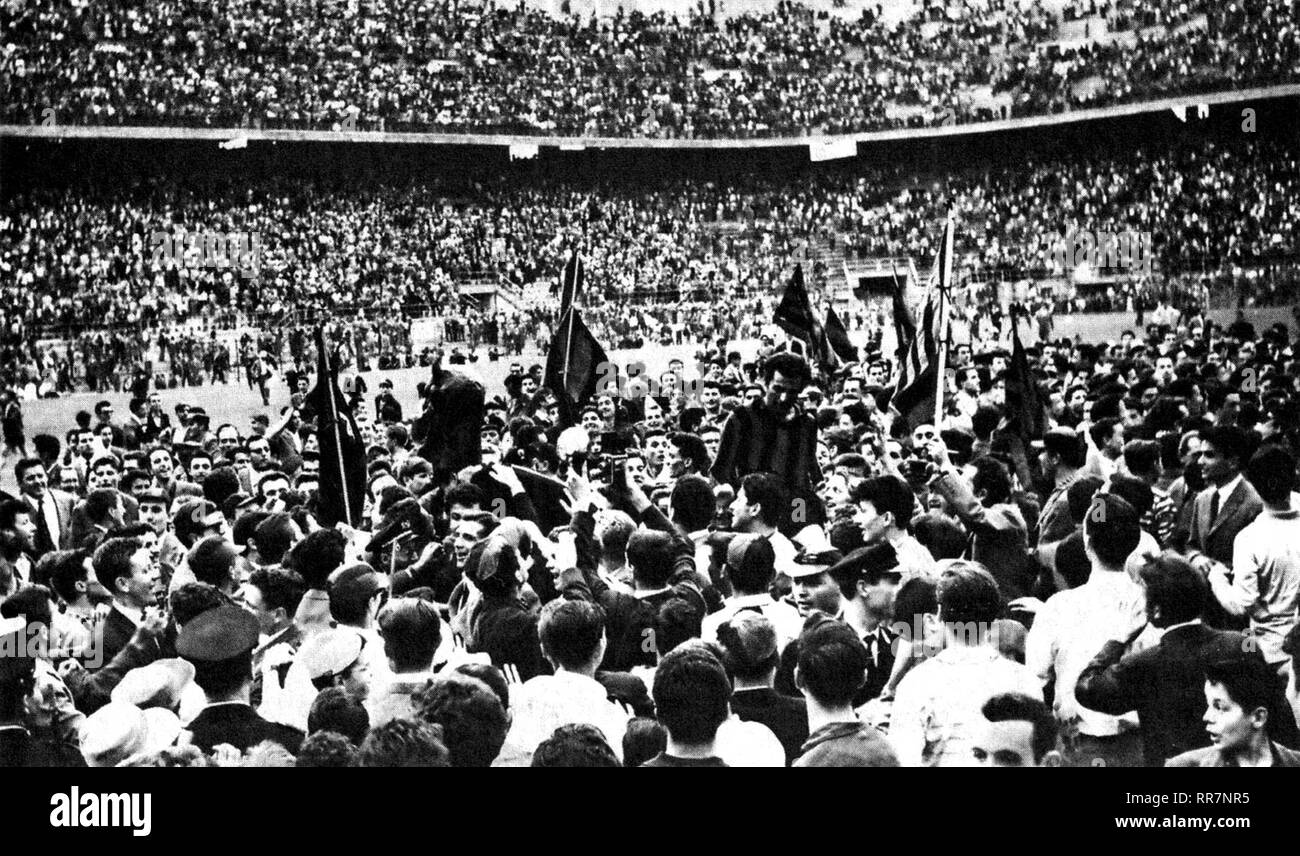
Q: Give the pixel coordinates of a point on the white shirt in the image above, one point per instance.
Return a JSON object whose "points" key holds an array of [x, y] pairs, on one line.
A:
{"points": [[546, 702], [785, 552], [50, 511], [1226, 491], [1069, 631], [748, 744], [938, 704], [1265, 583], [784, 617]]}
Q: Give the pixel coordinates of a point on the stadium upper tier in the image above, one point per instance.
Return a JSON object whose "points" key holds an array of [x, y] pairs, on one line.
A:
{"points": [[454, 67], [80, 247]]}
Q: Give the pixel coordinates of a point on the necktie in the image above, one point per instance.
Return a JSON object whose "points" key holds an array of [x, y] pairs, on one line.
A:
{"points": [[1214, 506], [44, 540]]}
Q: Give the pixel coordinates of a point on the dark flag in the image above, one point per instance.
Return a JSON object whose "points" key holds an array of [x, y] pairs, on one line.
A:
{"points": [[918, 380], [904, 323], [575, 362], [838, 338], [1026, 413], [794, 315], [342, 489], [571, 283]]}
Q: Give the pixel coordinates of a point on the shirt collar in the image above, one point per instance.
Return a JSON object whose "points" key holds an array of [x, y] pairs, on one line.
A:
{"points": [[1227, 489], [135, 614]]}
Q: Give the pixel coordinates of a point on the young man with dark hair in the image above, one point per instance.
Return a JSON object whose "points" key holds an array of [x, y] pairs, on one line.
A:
{"points": [[936, 712], [1162, 683], [691, 694], [1226, 506], [470, 715], [273, 596], [751, 569], [1061, 460], [51, 510], [885, 507], [692, 506], [983, 505], [751, 656], [1264, 587], [761, 505], [572, 634], [832, 668], [1019, 731], [315, 558], [17, 543], [412, 632], [773, 435], [1073, 625], [124, 567], [1239, 717], [576, 745], [403, 743]]}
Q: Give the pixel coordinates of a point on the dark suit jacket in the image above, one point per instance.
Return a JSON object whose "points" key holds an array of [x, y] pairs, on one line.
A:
{"points": [[81, 525], [1001, 537], [1165, 684], [117, 631], [240, 726], [63, 505], [785, 715], [508, 634], [1211, 757], [1214, 537]]}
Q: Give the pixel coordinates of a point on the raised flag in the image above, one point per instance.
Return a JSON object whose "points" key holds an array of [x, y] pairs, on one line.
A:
{"points": [[1026, 413], [342, 452], [575, 362], [575, 272], [904, 323], [920, 371], [838, 338], [794, 315]]}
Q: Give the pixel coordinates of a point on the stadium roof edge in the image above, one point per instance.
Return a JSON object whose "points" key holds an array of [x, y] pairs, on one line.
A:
{"points": [[55, 131]]}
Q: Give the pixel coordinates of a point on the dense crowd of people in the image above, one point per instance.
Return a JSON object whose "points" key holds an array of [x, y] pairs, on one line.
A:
{"points": [[665, 257], [452, 66], [744, 561]]}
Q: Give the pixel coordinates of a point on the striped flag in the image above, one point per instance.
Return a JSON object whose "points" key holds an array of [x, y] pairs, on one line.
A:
{"points": [[904, 323], [918, 373]]}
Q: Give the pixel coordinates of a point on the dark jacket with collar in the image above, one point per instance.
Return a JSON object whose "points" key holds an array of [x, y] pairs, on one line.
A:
{"points": [[1165, 684], [847, 744], [787, 717], [240, 726], [1214, 537]]}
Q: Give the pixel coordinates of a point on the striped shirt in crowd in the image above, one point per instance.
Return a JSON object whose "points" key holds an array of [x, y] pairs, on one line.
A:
{"points": [[755, 441]]}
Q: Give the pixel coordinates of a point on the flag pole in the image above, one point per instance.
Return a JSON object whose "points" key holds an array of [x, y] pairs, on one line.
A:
{"points": [[328, 381], [945, 281], [568, 338]]}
